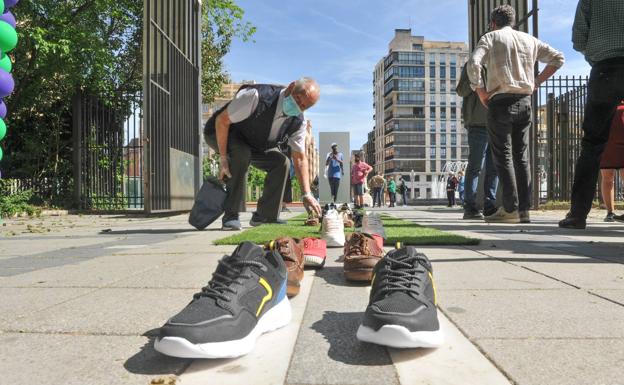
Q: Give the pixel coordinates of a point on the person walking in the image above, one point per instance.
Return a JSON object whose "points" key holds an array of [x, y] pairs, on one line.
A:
{"points": [[474, 115], [612, 160], [249, 130], [451, 187], [377, 183], [403, 191], [460, 187], [509, 57], [335, 170], [597, 33], [392, 191], [359, 171]]}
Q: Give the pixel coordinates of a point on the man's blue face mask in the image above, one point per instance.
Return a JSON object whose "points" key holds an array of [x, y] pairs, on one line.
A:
{"points": [[290, 106]]}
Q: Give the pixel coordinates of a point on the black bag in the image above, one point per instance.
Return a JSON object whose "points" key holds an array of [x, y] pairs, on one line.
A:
{"points": [[208, 205]]}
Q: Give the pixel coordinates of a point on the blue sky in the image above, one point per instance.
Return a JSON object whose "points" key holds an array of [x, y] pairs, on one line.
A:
{"points": [[339, 42]]}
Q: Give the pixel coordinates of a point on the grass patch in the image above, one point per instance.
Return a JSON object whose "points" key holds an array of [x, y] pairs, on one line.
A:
{"points": [[396, 230]]}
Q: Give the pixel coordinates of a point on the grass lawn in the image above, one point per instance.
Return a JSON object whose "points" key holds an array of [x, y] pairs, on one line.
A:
{"points": [[396, 230]]}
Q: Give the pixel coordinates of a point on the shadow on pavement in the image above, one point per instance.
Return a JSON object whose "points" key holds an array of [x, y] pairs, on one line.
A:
{"points": [[151, 231], [339, 330], [333, 276], [148, 361]]}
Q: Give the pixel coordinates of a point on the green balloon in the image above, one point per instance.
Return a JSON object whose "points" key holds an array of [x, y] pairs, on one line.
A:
{"points": [[5, 63], [0, 153], [3, 129], [8, 37]]}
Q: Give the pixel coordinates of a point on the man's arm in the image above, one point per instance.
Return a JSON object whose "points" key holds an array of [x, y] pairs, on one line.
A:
{"points": [[554, 60], [222, 127], [580, 28], [545, 75], [475, 69], [300, 163]]}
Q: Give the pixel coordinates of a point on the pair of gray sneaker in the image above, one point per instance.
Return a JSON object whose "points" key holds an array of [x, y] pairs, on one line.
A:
{"points": [[235, 225], [502, 216]]}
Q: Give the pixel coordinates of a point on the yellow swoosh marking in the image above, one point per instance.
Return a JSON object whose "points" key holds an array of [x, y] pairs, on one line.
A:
{"points": [[435, 292], [267, 297]]}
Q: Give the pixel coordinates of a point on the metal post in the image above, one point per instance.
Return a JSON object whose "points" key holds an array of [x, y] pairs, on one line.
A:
{"points": [[550, 121], [534, 134], [77, 147]]}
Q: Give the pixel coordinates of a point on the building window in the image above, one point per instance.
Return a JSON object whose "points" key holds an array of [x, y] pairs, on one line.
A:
{"points": [[432, 72], [417, 47], [432, 58], [443, 113], [432, 99], [432, 125], [432, 85], [428, 180], [411, 57], [453, 59], [432, 152], [432, 139], [432, 166], [453, 139], [442, 71], [453, 114], [454, 153], [443, 153], [443, 140], [432, 113], [442, 86], [442, 59], [453, 72], [411, 98]]}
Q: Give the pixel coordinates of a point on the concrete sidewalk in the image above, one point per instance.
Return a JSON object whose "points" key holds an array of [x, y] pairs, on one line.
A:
{"points": [[83, 297]]}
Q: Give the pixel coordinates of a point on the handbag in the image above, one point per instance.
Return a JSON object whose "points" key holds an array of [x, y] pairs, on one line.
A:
{"points": [[209, 202]]}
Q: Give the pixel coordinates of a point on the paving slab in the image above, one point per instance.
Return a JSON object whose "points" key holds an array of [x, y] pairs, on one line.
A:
{"points": [[267, 364], [327, 351], [534, 314], [593, 274], [80, 360], [613, 295], [457, 362], [107, 311], [559, 362], [17, 302]]}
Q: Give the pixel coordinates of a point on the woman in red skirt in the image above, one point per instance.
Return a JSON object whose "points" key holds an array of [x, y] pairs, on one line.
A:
{"points": [[613, 159]]}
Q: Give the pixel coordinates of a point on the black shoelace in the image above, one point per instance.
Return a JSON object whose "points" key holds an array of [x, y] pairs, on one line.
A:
{"points": [[402, 275], [220, 284]]}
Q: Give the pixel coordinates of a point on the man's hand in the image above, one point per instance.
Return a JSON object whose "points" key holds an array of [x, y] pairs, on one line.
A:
{"points": [[483, 96], [224, 167], [311, 204]]}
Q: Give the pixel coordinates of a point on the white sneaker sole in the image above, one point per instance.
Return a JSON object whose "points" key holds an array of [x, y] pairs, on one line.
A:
{"points": [[277, 317], [314, 260], [397, 336]]}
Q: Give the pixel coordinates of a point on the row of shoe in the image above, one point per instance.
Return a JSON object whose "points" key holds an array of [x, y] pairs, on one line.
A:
{"points": [[248, 296]]}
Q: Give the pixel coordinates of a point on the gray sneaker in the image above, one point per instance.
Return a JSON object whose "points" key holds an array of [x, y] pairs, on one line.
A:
{"points": [[610, 217], [468, 214], [502, 216], [525, 217], [231, 225]]}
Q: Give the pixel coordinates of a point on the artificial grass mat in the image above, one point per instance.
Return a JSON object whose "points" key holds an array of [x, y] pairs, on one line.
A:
{"points": [[397, 230]]}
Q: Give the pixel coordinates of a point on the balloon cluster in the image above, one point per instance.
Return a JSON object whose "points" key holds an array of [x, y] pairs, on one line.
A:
{"points": [[8, 41]]}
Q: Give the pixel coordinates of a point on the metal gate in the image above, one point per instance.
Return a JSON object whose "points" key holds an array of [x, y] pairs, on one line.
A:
{"points": [[171, 104]]}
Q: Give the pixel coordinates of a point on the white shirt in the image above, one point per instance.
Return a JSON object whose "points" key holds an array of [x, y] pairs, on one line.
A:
{"points": [[246, 101]]}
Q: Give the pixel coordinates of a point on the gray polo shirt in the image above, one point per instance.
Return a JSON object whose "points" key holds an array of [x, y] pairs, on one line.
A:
{"points": [[246, 101]]}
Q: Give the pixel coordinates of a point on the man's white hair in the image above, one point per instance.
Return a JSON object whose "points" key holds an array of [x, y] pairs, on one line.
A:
{"points": [[303, 84]]}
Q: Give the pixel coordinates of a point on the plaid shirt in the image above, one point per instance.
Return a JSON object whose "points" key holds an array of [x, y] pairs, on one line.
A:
{"points": [[598, 31], [509, 57]]}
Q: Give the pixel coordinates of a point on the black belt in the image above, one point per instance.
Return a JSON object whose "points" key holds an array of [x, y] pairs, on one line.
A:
{"points": [[508, 96]]}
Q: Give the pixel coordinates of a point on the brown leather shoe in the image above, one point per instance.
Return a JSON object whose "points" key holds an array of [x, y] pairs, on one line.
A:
{"points": [[361, 254], [291, 250]]}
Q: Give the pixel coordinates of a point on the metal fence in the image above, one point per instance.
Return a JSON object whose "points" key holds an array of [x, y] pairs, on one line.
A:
{"points": [[559, 120], [108, 157]]}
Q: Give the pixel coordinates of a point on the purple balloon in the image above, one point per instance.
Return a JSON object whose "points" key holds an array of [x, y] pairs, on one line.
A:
{"points": [[3, 109], [9, 18], [7, 84], [10, 3]]}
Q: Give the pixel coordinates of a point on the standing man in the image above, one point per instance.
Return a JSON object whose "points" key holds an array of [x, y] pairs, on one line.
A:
{"points": [[474, 115], [377, 183], [335, 170], [249, 130], [598, 33], [359, 171], [509, 57]]}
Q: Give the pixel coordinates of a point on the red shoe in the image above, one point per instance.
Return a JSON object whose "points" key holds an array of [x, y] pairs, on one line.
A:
{"points": [[379, 240], [314, 252]]}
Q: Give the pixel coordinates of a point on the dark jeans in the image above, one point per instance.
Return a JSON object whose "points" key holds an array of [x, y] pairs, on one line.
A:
{"points": [[479, 153], [240, 156], [377, 196], [450, 195], [509, 123], [404, 196], [605, 91], [392, 198], [334, 184]]}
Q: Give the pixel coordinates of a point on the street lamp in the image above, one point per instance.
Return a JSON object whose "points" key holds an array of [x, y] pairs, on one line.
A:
{"points": [[412, 182]]}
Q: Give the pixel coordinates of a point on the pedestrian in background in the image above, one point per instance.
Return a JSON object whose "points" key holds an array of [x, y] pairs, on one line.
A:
{"points": [[359, 171], [612, 160], [403, 190], [510, 58], [451, 187], [392, 191], [598, 34], [377, 182], [460, 187]]}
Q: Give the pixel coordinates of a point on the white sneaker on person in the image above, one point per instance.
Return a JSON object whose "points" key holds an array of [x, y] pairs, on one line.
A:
{"points": [[502, 216]]}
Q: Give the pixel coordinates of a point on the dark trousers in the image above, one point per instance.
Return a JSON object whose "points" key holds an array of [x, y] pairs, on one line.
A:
{"points": [[240, 156], [509, 123], [479, 153], [450, 195], [334, 184], [605, 91], [392, 196], [377, 196], [404, 196]]}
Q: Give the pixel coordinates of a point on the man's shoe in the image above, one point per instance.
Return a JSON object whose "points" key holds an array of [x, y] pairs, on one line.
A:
{"points": [[231, 225], [619, 218], [502, 216], [291, 250], [472, 215], [610, 217], [525, 217], [487, 211], [361, 254], [245, 298], [402, 312], [314, 252], [257, 220], [571, 222]]}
